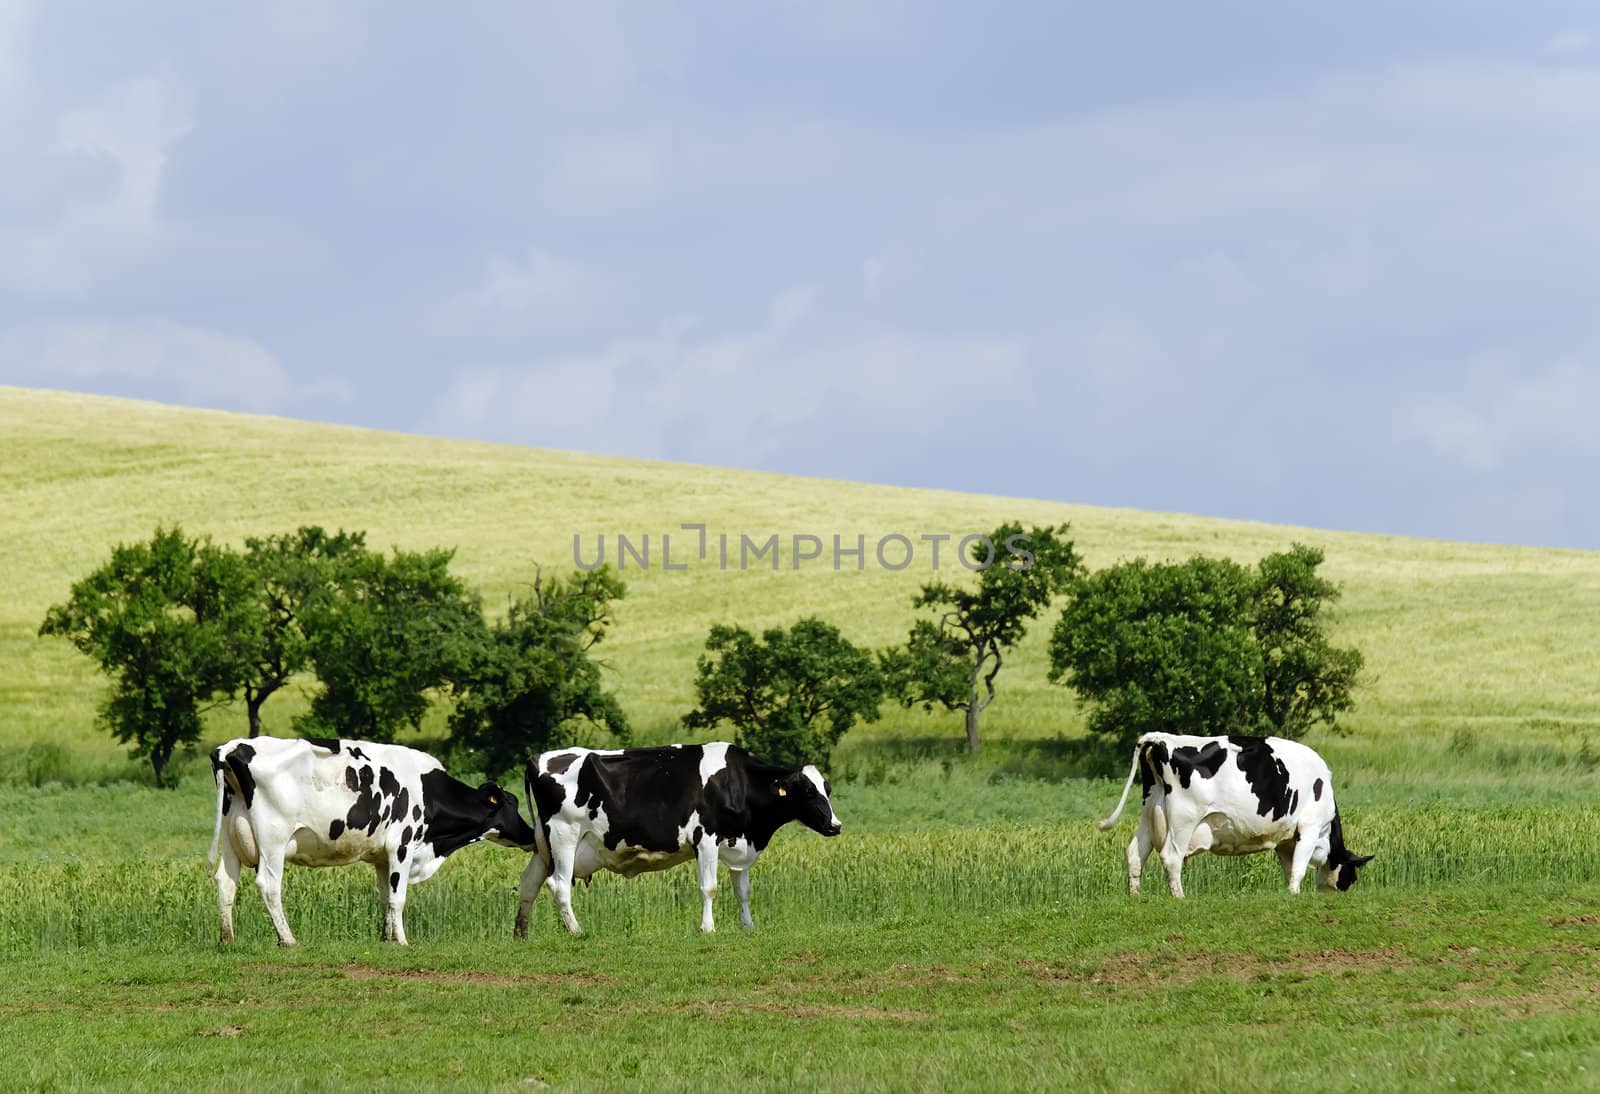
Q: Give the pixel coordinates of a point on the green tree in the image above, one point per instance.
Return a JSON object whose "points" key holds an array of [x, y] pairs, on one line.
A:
{"points": [[1203, 646], [163, 620], [1306, 680], [388, 633], [952, 661], [790, 695], [533, 673], [294, 575]]}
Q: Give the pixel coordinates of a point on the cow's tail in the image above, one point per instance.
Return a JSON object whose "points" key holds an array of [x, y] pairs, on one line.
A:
{"points": [[217, 772], [541, 825], [1133, 773]]}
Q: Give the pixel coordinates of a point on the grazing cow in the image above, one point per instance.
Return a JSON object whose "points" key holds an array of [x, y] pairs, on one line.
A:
{"points": [[640, 809], [1236, 796], [330, 803]]}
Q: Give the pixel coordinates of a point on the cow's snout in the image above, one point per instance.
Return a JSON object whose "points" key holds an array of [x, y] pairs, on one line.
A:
{"points": [[834, 829]]}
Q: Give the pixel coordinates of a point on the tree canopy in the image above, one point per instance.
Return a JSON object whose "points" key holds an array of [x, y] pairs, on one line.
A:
{"points": [[1204, 646], [791, 694], [534, 673], [952, 660]]}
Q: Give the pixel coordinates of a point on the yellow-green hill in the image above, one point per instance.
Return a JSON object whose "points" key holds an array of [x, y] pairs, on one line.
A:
{"points": [[1458, 637]]}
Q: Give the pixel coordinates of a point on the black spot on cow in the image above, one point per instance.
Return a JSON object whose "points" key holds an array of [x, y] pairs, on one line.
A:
{"points": [[357, 754], [1316, 790], [1155, 758], [557, 765], [364, 813], [402, 806], [400, 855], [387, 783], [336, 829], [1266, 775], [394, 882], [329, 743], [351, 780], [1187, 761], [216, 769], [405, 837], [699, 833], [238, 762]]}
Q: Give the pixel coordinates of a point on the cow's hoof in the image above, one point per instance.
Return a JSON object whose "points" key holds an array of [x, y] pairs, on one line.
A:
{"points": [[287, 943]]}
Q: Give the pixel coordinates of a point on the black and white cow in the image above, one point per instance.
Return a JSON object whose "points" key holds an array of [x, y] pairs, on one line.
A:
{"points": [[1236, 796], [640, 809], [330, 803]]}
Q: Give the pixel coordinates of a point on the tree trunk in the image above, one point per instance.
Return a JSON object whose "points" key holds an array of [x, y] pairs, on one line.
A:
{"points": [[972, 724], [252, 708], [159, 763]]}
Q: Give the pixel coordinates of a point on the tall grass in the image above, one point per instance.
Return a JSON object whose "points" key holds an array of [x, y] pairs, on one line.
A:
{"points": [[919, 876]]}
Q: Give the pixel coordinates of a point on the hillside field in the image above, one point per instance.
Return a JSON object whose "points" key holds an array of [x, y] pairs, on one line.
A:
{"points": [[968, 931]]}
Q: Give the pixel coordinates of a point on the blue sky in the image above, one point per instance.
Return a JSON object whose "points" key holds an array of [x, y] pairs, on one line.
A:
{"points": [[1336, 267]]}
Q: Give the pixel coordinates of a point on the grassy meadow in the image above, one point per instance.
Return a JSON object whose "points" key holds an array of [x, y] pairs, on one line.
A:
{"points": [[969, 929]]}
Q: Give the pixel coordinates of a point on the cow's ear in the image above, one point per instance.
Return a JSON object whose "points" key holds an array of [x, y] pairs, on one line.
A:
{"points": [[1360, 860]]}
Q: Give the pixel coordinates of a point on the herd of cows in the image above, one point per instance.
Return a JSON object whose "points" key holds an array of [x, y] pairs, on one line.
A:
{"points": [[321, 802]]}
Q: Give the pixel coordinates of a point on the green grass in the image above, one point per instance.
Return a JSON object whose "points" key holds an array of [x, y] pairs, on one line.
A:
{"points": [[1463, 988]]}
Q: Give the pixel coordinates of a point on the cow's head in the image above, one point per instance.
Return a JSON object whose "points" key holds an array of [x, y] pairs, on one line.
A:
{"points": [[503, 824], [807, 793], [1340, 873]]}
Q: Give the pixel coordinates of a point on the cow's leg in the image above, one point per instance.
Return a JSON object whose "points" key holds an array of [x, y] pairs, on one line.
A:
{"points": [[563, 854], [269, 880], [1302, 859], [1138, 851], [1172, 856], [380, 871], [533, 876], [1286, 859], [706, 859], [394, 919], [227, 883], [741, 887]]}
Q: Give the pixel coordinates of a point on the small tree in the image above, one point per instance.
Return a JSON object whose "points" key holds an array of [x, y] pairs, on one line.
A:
{"points": [[1203, 646], [163, 620], [533, 673], [791, 695], [389, 632], [1306, 679], [294, 574], [953, 661]]}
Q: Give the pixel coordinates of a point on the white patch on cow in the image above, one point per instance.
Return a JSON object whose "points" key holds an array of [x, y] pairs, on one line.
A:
{"points": [[810, 771], [713, 758]]}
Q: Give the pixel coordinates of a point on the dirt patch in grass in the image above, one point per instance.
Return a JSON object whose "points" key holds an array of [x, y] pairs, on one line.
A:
{"points": [[1166, 969], [1588, 919], [488, 979]]}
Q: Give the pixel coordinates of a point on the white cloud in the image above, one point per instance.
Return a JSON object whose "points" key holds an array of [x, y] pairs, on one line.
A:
{"points": [[731, 398], [164, 359], [132, 127], [1504, 411], [540, 294]]}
